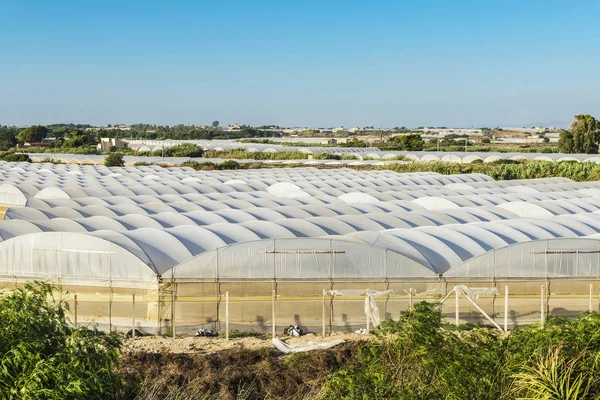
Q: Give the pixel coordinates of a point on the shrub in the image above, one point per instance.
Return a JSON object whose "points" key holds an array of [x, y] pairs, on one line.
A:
{"points": [[114, 160], [229, 164], [180, 150], [421, 356], [14, 157], [43, 358]]}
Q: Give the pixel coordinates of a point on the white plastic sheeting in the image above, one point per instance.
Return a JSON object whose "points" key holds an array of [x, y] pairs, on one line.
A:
{"points": [[371, 309], [249, 224], [304, 346]]}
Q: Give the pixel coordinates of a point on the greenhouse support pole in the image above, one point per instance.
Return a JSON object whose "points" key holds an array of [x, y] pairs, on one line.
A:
{"points": [[506, 308], [75, 310], [110, 298], [173, 297], [456, 306], [227, 315], [368, 319], [133, 315], [158, 307], [323, 313], [591, 306], [542, 306], [410, 298], [273, 313]]}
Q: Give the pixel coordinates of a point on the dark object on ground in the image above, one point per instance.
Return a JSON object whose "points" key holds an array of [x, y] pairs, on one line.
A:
{"points": [[205, 332], [293, 331], [137, 333]]}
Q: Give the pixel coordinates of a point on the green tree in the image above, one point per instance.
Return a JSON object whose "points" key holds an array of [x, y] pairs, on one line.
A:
{"points": [[586, 130], [582, 137], [114, 160], [565, 142], [79, 138], [412, 142], [7, 139], [42, 357], [34, 133], [215, 124]]}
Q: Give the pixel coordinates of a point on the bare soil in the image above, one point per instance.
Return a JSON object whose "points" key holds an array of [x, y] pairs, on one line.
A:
{"points": [[209, 345]]}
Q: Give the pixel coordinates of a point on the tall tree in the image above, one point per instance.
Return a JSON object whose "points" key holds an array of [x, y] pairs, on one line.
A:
{"points": [[583, 135], [586, 131], [34, 133], [215, 124], [7, 139], [411, 142], [565, 142]]}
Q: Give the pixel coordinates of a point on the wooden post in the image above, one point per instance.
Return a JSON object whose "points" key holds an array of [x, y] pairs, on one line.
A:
{"points": [[410, 298], [75, 310], [457, 322], [226, 315], [542, 316], [158, 312], [110, 296], [173, 297], [506, 308], [133, 315], [368, 314], [273, 313], [591, 305], [323, 313]]}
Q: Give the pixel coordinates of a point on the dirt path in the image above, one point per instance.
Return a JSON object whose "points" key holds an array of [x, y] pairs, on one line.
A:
{"points": [[211, 345]]}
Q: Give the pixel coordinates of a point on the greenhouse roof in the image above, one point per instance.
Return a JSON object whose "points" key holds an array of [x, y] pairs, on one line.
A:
{"points": [[145, 223]]}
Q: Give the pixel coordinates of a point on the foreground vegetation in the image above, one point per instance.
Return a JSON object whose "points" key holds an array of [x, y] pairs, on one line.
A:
{"points": [[417, 356], [43, 357]]}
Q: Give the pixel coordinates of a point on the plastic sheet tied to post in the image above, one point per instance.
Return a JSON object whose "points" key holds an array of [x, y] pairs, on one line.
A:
{"points": [[371, 309], [474, 293]]}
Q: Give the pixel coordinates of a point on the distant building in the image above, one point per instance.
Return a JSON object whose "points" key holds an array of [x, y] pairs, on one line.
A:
{"points": [[107, 143], [234, 127]]}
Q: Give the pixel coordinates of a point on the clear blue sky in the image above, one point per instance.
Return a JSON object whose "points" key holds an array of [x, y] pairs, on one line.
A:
{"points": [[298, 63]]}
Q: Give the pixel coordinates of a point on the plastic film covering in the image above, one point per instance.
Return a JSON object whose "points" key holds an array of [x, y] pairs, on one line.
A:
{"points": [[298, 259], [552, 258], [72, 259]]}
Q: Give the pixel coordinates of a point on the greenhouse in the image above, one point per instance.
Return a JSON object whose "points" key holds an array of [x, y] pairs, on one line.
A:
{"points": [[163, 245]]}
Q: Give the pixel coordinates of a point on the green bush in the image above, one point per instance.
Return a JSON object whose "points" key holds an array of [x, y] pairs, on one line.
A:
{"points": [[180, 150], [42, 357], [13, 157], [85, 149], [229, 164], [421, 356], [114, 160]]}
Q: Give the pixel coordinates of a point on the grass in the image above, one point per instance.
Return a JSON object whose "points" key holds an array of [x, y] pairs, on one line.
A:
{"points": [[236, 334]]}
